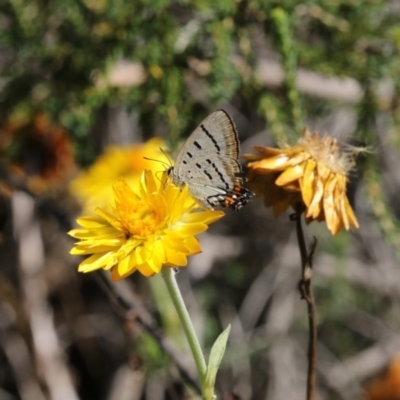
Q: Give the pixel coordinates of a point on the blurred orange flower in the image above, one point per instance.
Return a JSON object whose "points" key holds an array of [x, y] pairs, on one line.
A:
{"points": [[37, 152], [313, 173], [94, 187], [386, 386]]}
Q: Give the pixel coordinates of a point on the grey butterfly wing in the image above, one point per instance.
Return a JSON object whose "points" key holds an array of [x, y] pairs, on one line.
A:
{"points": [[215, 136], [211, 179], [208, 164]]}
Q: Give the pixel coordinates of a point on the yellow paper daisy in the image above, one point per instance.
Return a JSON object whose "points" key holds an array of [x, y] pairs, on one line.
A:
{"points": [[143, 232], [94, 187], [313, 173]]}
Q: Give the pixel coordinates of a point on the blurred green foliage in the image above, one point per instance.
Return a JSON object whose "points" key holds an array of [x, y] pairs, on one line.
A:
{"points": [[55, 52]]}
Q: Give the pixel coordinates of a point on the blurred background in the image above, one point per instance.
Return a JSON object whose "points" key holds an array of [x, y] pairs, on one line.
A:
{"points": [[87, 87]]}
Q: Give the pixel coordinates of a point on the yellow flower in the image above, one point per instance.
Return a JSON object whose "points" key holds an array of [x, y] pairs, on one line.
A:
{"points": [[144, 231], [313, 173], [94, 187]]}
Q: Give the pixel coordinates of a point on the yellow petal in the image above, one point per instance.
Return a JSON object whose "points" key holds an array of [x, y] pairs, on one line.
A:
{"points": [[272, 151], [190, 229], [103, 232], [116, 276], [175, 241], [307, 183], [339, 225], [331, 216], [315, 207], [109, 218], [82, 249], [124, 266], [178, 201], [123, 193], [340, 195], [150, 183], [90, 222], [159, 252], [257, 170], [299, 158], [349, 211], [143, 253], [96, 261], [94, 244], [282, 162], [290, 175], [323, 171], [175, 258], [273, 163], [193, 245], [154, 264], [145, 270], [171, 193]]}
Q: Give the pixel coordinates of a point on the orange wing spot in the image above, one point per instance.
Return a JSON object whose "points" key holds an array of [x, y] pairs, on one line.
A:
{"points": [[237, 198], [239, 190], [230, 202]]}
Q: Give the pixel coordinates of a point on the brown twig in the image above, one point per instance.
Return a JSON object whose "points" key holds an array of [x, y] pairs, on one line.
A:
{"points": [[307, 294]]}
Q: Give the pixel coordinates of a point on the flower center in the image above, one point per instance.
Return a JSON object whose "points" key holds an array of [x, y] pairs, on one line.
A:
{"points": [[326, 150], [141, 221]]}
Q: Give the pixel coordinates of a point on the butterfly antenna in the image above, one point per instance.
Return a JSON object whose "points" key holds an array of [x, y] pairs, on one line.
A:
{"points": [[158, 175], [166, 155], [165, 165]]}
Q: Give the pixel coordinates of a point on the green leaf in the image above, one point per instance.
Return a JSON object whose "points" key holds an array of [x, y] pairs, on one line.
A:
{"points": [[217, 352]]}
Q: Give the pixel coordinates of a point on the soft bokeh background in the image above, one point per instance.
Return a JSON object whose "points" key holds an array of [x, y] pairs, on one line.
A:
{"points": [[78, 76]]}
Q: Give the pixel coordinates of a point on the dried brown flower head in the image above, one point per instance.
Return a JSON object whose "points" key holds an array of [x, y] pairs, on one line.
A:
{"points": [[314, 173]]}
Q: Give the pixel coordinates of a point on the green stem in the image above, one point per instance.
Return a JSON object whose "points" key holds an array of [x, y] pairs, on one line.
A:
{"points": [[173, 289]]}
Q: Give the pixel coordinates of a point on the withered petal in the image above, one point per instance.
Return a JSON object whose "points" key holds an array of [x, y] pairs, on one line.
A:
{"points": [[323, 171], [274, 163], [350, 213], [290, 175], [307, 183], [314, 208], [331, 215], [268, 151], [340, 194]]}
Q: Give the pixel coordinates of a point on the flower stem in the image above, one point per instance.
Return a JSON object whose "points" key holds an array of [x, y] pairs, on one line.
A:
{"points": [[169, 278], [307, 294]]}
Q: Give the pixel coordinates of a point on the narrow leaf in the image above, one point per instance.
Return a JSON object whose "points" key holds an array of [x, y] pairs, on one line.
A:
{"points": [[217, 352]]}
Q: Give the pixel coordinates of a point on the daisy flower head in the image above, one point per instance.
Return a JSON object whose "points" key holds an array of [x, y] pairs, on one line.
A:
{"points": [[94, 187], [144, 230], [313, 173]]}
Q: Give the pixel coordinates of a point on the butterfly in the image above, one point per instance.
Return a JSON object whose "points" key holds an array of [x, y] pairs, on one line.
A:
{"points": [[208, 164]]}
